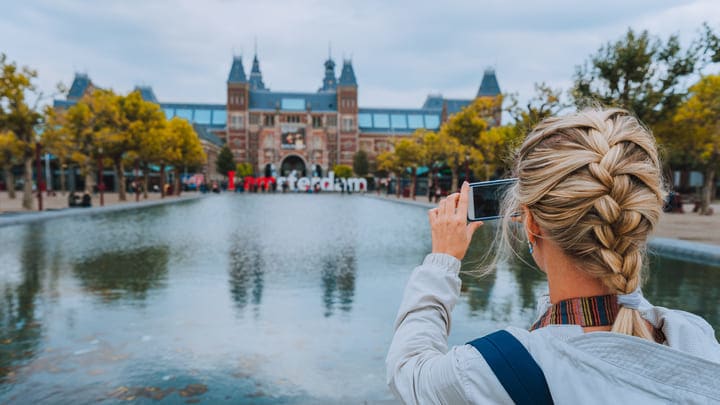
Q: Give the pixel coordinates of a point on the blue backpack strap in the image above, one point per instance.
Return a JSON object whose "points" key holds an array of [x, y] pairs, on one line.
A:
{"points": [[514, 366]]}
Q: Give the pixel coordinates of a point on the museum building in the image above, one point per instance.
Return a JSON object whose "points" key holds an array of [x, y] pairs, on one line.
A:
{"points": [[308, 132]]}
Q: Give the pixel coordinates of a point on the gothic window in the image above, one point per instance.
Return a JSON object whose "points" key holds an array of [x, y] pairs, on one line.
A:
{"points": [[236, 121], [269, 120], [254, 119], [332, 120], [347, 124], [317, 121]]}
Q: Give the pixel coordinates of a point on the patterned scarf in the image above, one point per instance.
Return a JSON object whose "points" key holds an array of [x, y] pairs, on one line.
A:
{"points": [[600, 310]]}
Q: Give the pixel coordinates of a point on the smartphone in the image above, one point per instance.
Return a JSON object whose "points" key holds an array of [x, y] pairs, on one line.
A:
{"points": [[485, 198]]}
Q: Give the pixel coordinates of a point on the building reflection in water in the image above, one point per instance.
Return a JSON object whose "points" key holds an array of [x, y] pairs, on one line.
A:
{"points": [[124, 274], [20, 328], [246, 272], [338, 279], [526, 282]]}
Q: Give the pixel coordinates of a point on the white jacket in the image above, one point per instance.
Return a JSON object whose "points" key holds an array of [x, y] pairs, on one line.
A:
{"points": [[587, 368]]}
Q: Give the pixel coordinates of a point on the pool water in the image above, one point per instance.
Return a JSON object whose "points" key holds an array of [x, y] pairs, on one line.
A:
{"points": [[243, 299]]}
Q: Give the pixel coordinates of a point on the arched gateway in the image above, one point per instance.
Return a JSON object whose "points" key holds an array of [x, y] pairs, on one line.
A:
{"points": [[293, 162]]}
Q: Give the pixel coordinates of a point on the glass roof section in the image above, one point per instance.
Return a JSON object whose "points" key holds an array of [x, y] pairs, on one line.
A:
{"points": [[296, 104]]}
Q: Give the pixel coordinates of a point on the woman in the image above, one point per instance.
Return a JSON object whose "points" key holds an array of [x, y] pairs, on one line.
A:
{"points": [[589, 193]]}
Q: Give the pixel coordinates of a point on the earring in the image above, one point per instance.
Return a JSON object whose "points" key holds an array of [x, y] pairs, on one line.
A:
{"points": [[530, 247]]}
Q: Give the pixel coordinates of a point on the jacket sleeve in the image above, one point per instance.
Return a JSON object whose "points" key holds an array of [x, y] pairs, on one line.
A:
{"points": [[420, 370]]}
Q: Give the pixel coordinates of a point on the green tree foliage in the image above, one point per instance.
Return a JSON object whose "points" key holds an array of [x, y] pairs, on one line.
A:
{"points": [[546, 102], [410, 154], [467, 124], [57, 140], [146, 127], [10, 151], [638, 72], [225, 161], [361, 163], [186, 148], [387, 161], [244, 169], [710, 44], [343, 171], [19, 117], [698, 119]]}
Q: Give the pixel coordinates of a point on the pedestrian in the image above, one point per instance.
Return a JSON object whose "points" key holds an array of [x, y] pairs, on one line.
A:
{"points": [[590, 193]]}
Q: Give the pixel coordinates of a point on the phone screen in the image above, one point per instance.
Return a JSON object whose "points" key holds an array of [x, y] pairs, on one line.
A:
{"points": [[485, 199]]}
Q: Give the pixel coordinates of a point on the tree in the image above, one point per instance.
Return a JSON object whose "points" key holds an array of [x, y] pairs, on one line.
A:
{"points": [[146, 125], [699, 120], [10, 151], [361, 164], [410, 154], [95, 128], [225, 161], [187, 147], [388, 161], [57, 140], [467, 124], [19, 117], [244, 169], [545, 103], [638, 72], [343, 171], [111, 136]]}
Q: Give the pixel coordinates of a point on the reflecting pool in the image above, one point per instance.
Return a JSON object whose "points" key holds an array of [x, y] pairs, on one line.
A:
{"points": [[242, 299]]}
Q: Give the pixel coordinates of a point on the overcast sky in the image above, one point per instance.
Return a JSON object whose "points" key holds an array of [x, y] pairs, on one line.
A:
{"points": [[401, 50]]}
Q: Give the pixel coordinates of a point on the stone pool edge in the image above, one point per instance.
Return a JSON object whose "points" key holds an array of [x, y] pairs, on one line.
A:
{"points": [[29, 217], [696, 252]]}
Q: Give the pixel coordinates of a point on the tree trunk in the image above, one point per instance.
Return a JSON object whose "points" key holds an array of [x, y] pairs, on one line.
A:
{"points": [[162, 181], [146, 180], [120, 176], [453, 186], [10, 181], [707, 190], [90, 173], [414, 181], [176, 187], [27, 201]]}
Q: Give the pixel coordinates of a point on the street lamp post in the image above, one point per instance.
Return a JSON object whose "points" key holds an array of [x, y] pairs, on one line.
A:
{"points": [[38, 172], [101, 184]]}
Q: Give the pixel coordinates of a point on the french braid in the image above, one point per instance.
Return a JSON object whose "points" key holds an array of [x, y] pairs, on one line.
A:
{"points": [[592, 181]]}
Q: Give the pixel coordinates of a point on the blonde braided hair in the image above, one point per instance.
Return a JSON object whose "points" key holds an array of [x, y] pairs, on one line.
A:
{"points": [[592, 181]]}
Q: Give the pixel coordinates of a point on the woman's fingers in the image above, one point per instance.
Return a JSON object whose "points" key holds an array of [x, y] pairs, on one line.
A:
{"points": [[450, 204], [462, 206], [432, 215]]}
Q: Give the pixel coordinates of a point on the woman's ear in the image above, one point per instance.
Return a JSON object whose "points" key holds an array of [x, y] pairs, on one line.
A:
{"points": [[532, 227]]}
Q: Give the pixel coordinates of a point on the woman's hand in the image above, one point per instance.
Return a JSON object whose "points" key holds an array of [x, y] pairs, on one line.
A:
{"points": [[451, 233]]}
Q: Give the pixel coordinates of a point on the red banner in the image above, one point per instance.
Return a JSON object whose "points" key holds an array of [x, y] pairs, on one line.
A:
{"points": [[231, 180]]}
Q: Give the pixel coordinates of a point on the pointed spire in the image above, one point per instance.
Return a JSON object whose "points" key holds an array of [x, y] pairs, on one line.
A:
{"points": [[347, 75], [237, 71], [329, 81], [256, 81], [489, 85]]}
